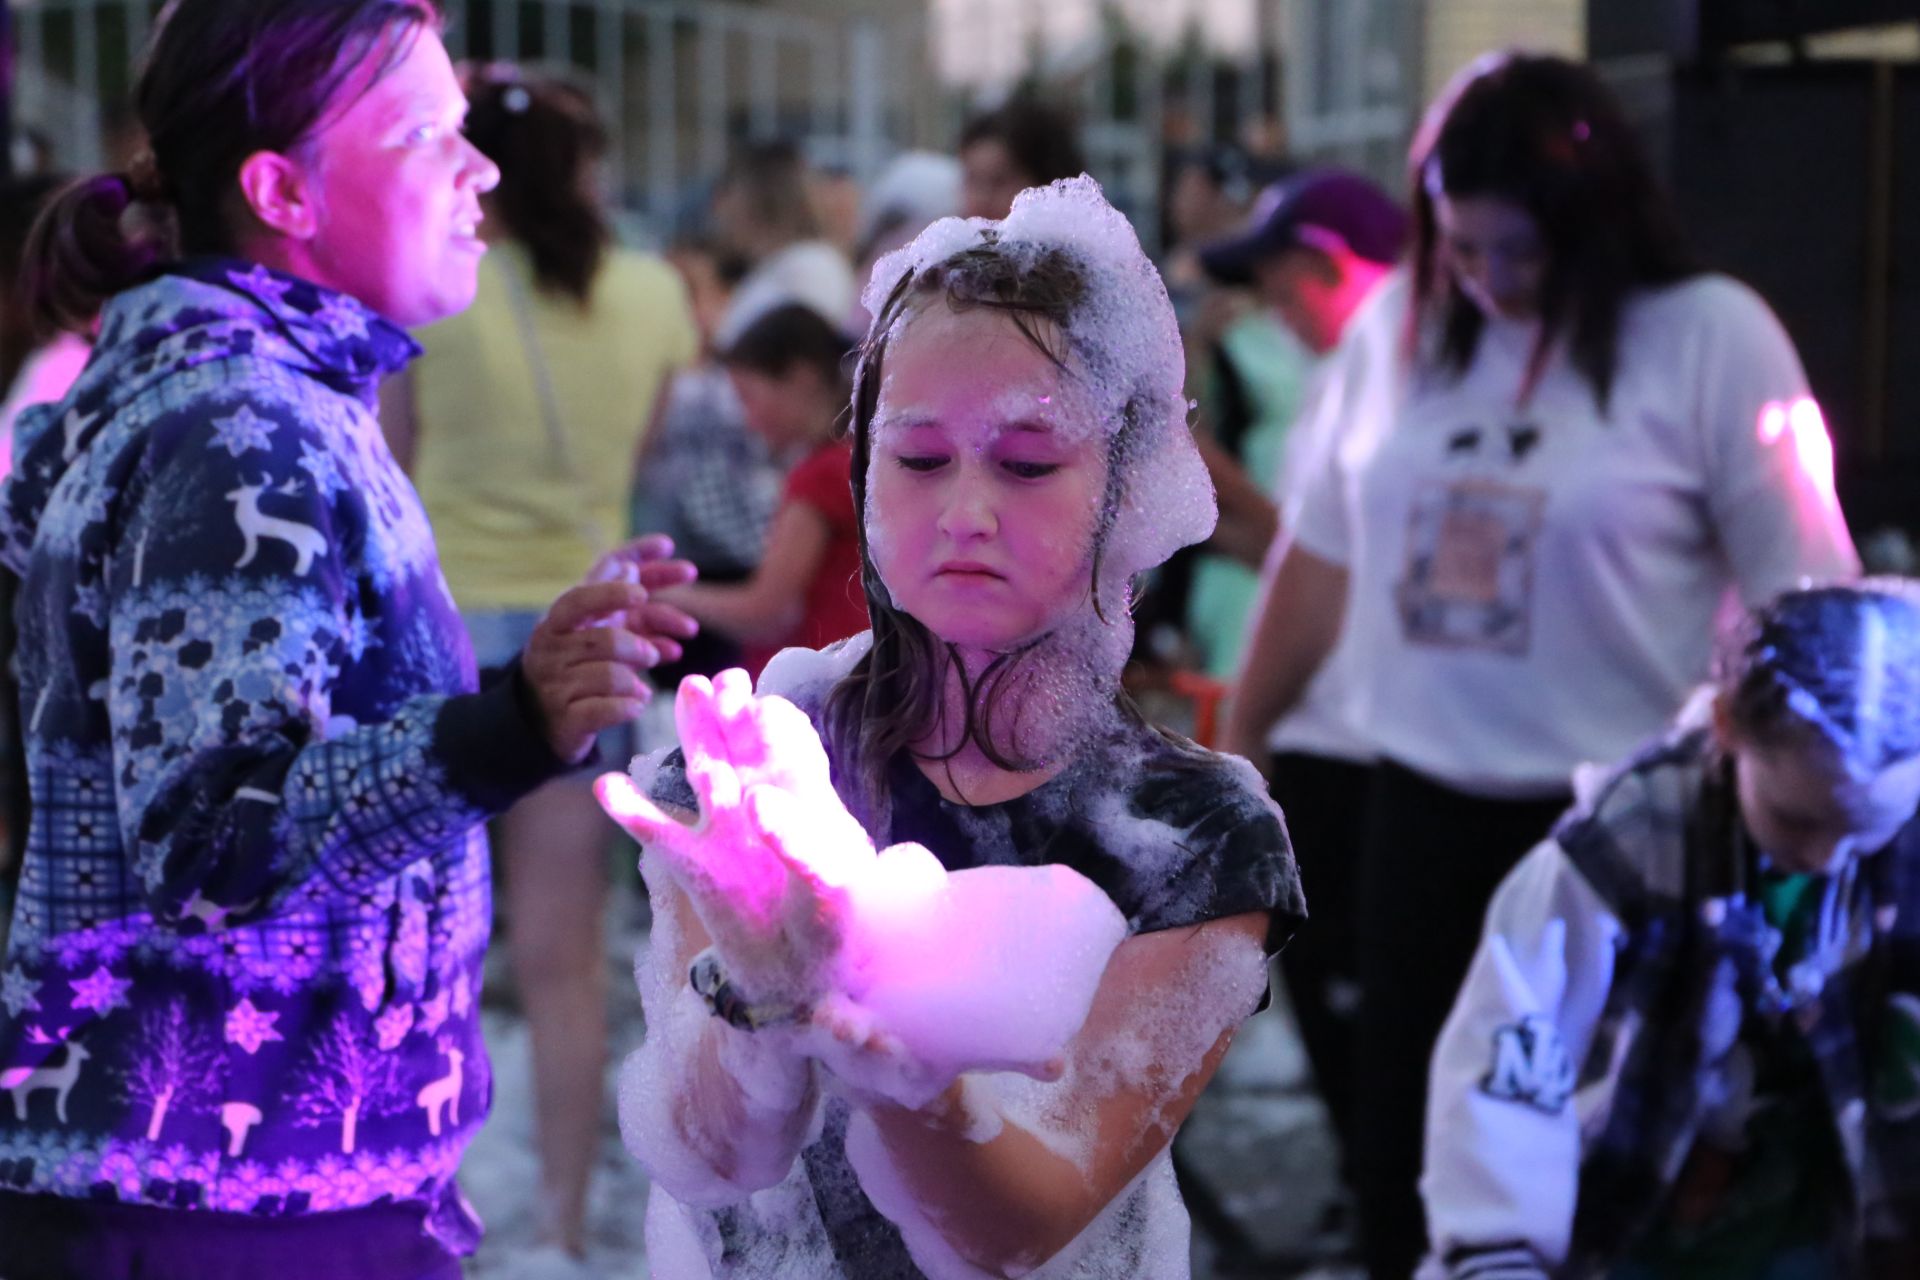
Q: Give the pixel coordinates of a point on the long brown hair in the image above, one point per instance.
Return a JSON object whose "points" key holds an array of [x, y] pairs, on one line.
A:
{"points": [[546, 136], [895, 694], [221, 80], [1546, 135]]}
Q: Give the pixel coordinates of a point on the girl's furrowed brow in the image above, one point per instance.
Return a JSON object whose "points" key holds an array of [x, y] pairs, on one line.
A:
{"points": [[904, 421]]}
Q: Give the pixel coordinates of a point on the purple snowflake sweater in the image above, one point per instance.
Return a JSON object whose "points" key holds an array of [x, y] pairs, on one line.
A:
{"points": [[245, 960]]}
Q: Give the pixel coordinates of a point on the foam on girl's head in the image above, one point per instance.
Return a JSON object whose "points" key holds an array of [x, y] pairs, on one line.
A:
{"points": [[1842, 661], [1123, 346]]}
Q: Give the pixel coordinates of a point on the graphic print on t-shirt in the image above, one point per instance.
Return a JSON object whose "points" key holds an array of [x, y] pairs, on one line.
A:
{"points": [[1519, 438], [1468, 578]]}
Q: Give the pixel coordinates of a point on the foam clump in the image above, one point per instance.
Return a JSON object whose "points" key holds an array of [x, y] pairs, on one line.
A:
{"points": [[792, 671], [1208, 984], [940, 240], [1126, 347], [988, 969], [805, 915], [646, 766]]}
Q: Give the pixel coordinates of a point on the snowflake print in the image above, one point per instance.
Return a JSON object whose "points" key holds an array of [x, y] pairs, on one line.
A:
{"points": [[323, 467], [359, 638], [243, 431], [100, 991], [288, 1175], [409, 1171], [17, 992], [243, 1185], [96, 505], [261, 283], [170, 1164], [348, 1187], [120, 1168], [250, 1028], [342, 319], [90, 602], [288, 977]]}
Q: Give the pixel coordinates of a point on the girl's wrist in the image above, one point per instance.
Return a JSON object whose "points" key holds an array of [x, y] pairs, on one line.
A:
{"points": [[772, 1077]]}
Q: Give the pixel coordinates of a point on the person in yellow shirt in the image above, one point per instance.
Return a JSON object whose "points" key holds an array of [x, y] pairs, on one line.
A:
{"points": [[521, 426]]}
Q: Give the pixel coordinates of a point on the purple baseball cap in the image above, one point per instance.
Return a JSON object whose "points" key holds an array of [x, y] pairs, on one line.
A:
{"points": [[1316, 208]]}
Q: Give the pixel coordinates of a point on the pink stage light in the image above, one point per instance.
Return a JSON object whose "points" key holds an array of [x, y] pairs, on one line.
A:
{"points": [[1812, 446]]}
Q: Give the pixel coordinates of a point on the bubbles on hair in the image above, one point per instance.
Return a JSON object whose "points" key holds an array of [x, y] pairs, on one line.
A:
{"points": [[1123, 343], [1124, 363]]}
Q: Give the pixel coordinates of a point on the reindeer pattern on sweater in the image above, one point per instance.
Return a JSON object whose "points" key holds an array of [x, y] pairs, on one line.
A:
{"points": [[245, 961]]}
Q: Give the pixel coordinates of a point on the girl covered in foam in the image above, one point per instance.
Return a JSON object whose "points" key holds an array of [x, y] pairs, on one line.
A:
{"points": [[965, 1055]]}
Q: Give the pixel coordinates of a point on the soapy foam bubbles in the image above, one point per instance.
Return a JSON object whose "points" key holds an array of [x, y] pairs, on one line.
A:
{"points": [[1125, 349]]}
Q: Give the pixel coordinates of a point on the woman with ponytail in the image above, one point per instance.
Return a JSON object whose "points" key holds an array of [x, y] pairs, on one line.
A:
{"points": [[238, 1008]]}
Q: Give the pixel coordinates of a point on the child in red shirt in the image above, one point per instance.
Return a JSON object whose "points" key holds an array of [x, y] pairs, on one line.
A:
{"points": [[789, 370]]}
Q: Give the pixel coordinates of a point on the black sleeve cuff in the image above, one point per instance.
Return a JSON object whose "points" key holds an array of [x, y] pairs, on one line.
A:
{"points": [[494, 745]]}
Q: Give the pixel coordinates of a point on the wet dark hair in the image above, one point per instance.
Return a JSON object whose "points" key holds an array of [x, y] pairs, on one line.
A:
{"points": [[545, 135], [1545, 134], [789, 336], [893, 695], [221, 80], [1841, 662], [1040, 138]]}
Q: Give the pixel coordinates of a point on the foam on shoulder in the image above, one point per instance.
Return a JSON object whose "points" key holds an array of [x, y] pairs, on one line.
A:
{"points": [[796, 672]]}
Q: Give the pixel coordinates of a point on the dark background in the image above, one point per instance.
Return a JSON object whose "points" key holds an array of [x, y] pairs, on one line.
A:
{"points": [[1802, 178]]}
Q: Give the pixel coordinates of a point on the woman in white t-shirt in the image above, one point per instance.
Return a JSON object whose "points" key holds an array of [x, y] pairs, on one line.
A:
{"points": [[1561, 444]]}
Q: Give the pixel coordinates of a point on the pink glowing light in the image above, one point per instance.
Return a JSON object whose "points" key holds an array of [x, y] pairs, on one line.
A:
{"points": [[1773, 422], [1812, 446], [990, 968]]}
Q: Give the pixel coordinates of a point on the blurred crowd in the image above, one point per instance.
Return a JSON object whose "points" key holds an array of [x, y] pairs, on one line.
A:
{"points": [[595, 391]]}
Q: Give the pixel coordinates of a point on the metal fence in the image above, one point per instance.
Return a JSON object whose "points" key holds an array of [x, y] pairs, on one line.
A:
{"points": [[685, 79], [1353, 81], [682, 78]]}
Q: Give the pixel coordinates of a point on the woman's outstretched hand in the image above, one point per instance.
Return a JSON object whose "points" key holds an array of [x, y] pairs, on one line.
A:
{"points": [[648, 562], [586, 661]]}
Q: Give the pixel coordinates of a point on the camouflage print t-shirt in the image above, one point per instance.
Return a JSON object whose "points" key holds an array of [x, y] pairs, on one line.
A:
{"points": [[1175, 835]]}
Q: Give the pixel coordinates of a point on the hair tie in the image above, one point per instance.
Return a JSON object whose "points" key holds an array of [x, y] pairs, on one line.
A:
{"points": [[516, 100], [144, 180]]}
